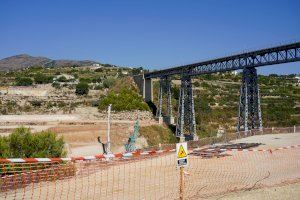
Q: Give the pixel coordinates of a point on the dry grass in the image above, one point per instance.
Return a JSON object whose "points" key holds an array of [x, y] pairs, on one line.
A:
{"points": [[156, 134]]}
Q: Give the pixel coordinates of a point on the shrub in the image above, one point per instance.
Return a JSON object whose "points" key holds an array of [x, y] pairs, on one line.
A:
{"points": [[98, 87], [23, 81], [136, 71], [62, 79], [86, 80], [36, 103], [123, 96], [107, 83], [40, 78], [127, 99], [99, 70], [56, 85], [197, 84], [97, 80], [82, 88], [22, 143], [4, 148], [205, 85], [75, 76], [156, 134]]}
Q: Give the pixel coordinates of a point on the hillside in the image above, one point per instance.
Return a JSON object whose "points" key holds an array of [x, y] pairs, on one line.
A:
{"points": [[24, 61], [216, 95]]}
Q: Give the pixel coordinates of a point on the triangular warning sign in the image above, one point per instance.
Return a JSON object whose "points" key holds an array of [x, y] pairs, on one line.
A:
{"points": [[181, 152]]}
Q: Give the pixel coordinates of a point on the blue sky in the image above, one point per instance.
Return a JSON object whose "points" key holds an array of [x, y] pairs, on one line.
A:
{"points": [[154, 34]]}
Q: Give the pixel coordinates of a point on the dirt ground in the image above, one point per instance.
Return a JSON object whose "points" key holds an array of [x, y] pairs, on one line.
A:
{"points": [[271, 141], [289, 191], [241, 175], [79, 131]]}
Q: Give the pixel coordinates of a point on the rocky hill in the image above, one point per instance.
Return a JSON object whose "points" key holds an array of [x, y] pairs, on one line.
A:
{"points": [[24, 61]]}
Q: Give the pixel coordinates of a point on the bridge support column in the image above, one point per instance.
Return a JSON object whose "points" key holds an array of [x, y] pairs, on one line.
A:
{"points": [[145, 87], [148, 90], [249, 107], [186, 123], [160, 101], [165, 88], [169, 105]]}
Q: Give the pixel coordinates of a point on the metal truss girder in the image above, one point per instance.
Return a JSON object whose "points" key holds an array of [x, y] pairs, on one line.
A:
{"points": [[270, 56]]}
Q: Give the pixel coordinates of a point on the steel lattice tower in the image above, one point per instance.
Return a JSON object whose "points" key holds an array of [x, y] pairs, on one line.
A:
{"points": [[160, 98], [164, 88], [249, 107], [186, 123]]}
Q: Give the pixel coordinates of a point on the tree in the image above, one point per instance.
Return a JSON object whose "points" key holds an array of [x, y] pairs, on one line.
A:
{"points": [[127, 99], [23, 81], [22, 143], [82, 88], [40, 78]]}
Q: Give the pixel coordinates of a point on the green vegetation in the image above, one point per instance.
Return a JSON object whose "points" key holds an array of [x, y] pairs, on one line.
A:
{"points": [[126, 100], [23, 81], [56, 85], [82, 88], [107, 83], [124, 97], [217, 97], [156, 134], [22, 143], [62, 79], [40, 78]]}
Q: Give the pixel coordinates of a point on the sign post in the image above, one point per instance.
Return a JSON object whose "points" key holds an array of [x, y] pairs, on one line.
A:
{"points": [[182, 161]]}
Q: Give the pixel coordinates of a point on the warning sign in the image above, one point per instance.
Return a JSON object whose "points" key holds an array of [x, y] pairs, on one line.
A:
{"points": [[181, 152]]}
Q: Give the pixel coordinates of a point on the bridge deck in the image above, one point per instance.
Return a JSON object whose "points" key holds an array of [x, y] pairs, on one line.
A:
{"points": [[269, 56]]}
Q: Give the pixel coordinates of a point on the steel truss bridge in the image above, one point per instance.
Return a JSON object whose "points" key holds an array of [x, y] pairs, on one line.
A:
{"points": [[249, 115]]}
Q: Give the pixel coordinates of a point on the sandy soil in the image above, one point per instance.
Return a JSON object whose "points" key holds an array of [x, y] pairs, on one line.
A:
{"points": [[79, 131], [271, 141], [38, 118], [240, 176], [289, 191]]}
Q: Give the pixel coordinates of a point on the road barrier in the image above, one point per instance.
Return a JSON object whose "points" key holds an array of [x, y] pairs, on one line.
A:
{"points": [[150, 175]]}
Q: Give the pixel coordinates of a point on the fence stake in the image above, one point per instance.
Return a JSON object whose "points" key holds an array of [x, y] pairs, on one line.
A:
{"points": [[181, 186]]}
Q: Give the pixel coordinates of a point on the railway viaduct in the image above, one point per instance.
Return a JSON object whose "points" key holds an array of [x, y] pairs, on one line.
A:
{"points": [[249, 115]]}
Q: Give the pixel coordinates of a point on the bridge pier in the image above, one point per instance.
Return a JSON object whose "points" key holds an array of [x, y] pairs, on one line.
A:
{"points": [[170, 117], [160, 101], [145, 87], [249, 116], [186, 123], [165, 88]]}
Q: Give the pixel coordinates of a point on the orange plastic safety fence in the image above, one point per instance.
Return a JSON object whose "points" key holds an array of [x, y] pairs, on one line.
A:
{"points": [[150, 177]]}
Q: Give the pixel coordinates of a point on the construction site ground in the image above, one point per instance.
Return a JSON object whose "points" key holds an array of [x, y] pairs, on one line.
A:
{"points": [[242, 175], [271, 141], [79, 131]]}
